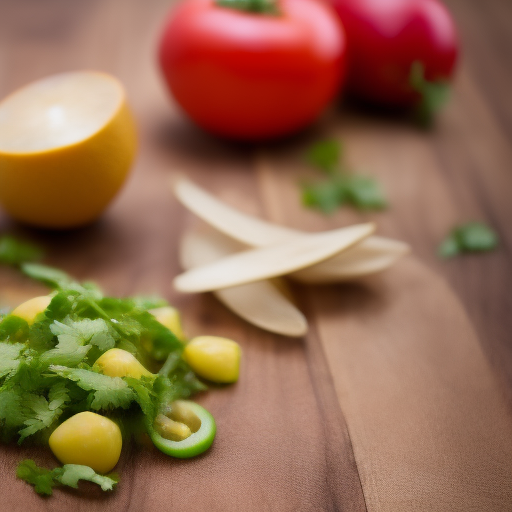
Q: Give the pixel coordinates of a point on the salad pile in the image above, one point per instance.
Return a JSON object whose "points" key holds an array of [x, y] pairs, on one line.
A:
{"points": [[77, 361]]}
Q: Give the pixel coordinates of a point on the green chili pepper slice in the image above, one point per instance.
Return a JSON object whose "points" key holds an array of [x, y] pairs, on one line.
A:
{"points": [[184, 431]]}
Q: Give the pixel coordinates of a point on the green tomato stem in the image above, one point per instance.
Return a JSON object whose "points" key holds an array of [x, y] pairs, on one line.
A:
{"points": [[268, 7]]}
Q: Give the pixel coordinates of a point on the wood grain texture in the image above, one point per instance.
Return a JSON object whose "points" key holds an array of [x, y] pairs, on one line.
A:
{"points": [[283, 441]]}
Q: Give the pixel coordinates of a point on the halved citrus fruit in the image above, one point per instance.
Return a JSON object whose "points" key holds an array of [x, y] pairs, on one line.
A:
{"points": [[66, 145]]}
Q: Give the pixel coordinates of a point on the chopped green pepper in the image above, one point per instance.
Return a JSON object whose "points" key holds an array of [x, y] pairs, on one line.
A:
{"points": [[185, 430]]}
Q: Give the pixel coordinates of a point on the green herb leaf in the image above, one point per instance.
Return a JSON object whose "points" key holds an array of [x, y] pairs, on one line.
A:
{"points": [[40, 478], [44, 479], [151, 302], [13, 328], [70, 474], [470, 237], [449, 247], [50, 276], [433, 95], [43, 413], [12, 413], [76, 339], [339, 188], [9, 354], [325, 155], [16, 252], [364, 193], [109, 392], [324, 196]]}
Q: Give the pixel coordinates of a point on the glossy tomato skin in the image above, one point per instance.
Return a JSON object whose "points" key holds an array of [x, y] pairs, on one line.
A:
{"points": [[384, 38], [253, 76]]}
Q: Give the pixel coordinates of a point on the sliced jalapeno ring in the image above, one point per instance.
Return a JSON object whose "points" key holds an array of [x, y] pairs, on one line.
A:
{"points": [[185, 430]]}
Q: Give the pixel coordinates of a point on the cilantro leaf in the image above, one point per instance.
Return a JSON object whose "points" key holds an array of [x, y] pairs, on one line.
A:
{"points": [[433, 95], [71, 348], [144, 395], [9, 353], [41, 412], [470, 237], [40, 478], [364, 193], [44, 479], [325, 155], [13, 328], [339, 187], [449, 247], [76, 339], [15, 252], [70, 474], [12, 413], [361, 192], [325, 196], [109, 392], [50, 276], [151, 302]]}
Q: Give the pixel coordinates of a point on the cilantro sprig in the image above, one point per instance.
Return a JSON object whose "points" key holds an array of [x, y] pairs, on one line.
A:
{"points": [[432, 94], [44, 480], [14, 251], [469, 237], [339, 186]]}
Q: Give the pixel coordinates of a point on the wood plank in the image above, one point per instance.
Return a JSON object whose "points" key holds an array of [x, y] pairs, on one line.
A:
{"points": [[284, 440]]}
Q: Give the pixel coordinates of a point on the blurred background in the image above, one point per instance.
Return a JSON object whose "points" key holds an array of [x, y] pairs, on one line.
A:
{"points": [[459, 170]]}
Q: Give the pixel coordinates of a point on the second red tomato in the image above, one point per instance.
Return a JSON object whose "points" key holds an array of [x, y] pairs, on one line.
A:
{"points": [[387, 37], [253, 75]]}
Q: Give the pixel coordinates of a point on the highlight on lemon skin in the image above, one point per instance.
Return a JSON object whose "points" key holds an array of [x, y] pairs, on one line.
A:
{"points": [[89, 439], [214, 358], [67, 143], [30, 309]]}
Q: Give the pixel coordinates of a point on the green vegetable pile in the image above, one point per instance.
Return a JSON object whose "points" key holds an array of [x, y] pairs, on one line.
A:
{"points": [[47, 374], [339, 187]]}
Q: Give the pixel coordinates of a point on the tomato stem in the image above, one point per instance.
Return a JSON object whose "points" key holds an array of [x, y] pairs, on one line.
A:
{"points": [[268, 7]]}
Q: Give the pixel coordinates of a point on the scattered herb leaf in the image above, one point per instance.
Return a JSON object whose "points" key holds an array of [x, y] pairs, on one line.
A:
{"points": [[433, 95], [50, 276], [339, 187], [470, 237], [364, 193], [325, 155], [15, 252], [44, 479], [324, 196]]}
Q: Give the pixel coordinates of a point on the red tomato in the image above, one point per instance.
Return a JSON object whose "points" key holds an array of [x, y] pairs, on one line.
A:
{"points": [[253, 75], [385, 37]]}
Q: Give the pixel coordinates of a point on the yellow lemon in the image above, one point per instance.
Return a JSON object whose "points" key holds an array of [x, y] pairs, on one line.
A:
{"points": [[66, 145]]}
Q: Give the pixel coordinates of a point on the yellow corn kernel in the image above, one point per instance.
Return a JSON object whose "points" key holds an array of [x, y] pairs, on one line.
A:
{"points": [[120, 363], [214, 358], [170, 429], [170, 318], [29, 309], [180, 411], [89, 439]]}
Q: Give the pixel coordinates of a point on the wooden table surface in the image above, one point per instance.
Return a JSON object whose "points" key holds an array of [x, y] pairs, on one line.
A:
{"points": [[459, 171]]}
